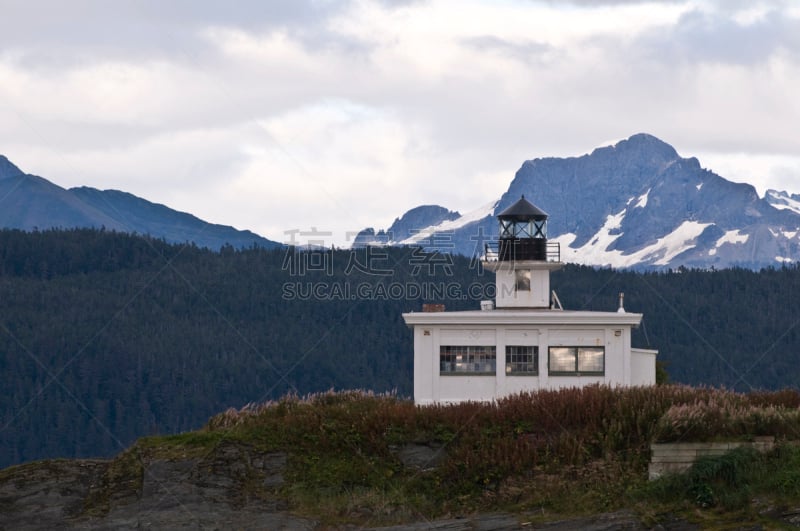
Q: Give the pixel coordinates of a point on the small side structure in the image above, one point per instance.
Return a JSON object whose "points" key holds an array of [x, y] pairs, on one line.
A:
{"points": [[522, 343], [678, 457]]}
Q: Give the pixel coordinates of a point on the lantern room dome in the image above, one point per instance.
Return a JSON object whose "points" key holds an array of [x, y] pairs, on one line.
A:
{"points": [[523, 232], [522, 210]]}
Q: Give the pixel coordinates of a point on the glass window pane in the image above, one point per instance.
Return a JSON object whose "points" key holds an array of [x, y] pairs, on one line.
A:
{"points": [[522, 359], [522, 279], [486, 359], [591, 359], [562, 359], [466, 359]]}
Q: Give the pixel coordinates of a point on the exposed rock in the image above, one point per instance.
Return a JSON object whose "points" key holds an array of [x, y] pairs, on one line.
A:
{"points": [[47, 494], [232, 487], [617, 521], [486, 522], [421, 456]]}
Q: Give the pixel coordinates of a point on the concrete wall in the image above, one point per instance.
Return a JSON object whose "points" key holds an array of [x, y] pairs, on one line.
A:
{"points": [[671, 458], [538, 296], [426, 368], [643, 366]]}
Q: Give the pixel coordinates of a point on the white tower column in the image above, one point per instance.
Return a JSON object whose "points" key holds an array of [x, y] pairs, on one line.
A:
{"points": [[523, 259]]}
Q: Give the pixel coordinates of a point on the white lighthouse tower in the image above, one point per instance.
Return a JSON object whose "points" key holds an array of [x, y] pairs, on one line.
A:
{"points": [[523, 343], [522, 259]]}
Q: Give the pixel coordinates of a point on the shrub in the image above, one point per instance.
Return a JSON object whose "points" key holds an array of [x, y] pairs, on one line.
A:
{"points": [[727, 415], [346, 445]]}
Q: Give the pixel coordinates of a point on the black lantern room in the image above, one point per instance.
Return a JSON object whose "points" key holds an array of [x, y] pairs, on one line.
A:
{"points": [[523, 232]]}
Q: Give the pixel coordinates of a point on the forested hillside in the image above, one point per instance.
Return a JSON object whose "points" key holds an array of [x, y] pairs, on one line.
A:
{"points": [[106, 337]]}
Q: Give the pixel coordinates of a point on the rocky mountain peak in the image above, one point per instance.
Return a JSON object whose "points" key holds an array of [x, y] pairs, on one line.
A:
{"points": [[418, 218], [638, 203], [8, 169], [783, 200], [33, 202], [645, 146]]}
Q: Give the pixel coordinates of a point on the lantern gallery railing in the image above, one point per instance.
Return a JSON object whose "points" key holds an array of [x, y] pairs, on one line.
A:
{"points": [[504, 250]]}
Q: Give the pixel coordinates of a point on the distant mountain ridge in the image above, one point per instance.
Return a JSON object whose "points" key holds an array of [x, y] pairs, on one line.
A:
{"points": [[30, 202], [783, 200], [407, 225], [637, 204]]}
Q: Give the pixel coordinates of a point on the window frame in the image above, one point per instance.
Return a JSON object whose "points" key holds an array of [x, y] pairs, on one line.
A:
{"points": [[577, 350], [477, 354], [534, 357], [522, 280]]}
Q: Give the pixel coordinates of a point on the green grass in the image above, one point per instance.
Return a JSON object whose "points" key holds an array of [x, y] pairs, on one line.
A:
{"points": [[123, 478], [566, 453], [742, 487]]}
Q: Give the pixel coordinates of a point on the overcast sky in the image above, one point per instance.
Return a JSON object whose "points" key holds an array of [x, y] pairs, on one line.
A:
{"points": [[285, 115]]}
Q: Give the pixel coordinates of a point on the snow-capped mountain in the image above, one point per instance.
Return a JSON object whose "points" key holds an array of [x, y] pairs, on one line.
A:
{"points": [[407, 225], [636, 204], [783, 200]]}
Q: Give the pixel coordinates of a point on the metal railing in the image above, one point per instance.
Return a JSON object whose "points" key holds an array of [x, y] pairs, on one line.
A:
{"points": [[492, 252]]}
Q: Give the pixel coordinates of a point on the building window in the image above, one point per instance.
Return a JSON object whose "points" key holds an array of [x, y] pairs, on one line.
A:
{"points": [[506, 229], [522, 360], [522, 280], [572, 361], [471, 360]]}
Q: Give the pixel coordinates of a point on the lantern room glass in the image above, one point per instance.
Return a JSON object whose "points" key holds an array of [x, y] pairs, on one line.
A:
{"points": [[523, 229]]}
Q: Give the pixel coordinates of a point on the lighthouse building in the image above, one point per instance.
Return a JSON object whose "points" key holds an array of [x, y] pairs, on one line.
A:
{"points": [[524, 340]]}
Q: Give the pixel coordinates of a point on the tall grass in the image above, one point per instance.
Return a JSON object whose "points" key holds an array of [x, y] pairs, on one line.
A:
{"points": [[497, 454], [726, 415]]}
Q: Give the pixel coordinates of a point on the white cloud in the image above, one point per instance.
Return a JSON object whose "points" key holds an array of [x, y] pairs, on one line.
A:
{"points": [[764, 171], [281, 115]]}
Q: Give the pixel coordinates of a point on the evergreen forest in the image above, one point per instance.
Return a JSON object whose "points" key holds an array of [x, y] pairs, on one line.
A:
{"points": [[107, 337]]}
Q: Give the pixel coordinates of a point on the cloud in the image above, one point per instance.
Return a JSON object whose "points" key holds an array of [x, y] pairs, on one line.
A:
{"points": [[702, 36], [49, 35], [526, 51], [595, 3], [282, 115], [780, 172]]}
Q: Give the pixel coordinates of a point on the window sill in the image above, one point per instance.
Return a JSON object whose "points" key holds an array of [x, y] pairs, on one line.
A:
{"points": [[576, 374], [467, 374]]}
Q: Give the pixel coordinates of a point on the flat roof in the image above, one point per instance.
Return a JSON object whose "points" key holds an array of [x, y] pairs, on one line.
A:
{"points": [[523, 316]]}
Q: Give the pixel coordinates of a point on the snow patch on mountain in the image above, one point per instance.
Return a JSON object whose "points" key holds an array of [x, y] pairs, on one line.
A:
{"points": [[733, 236], [597, 251], [614, 221], [635, 203], [783, 201], [642, 202], [676, 242], [451, 225]]}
